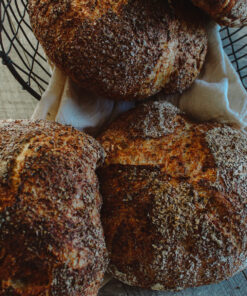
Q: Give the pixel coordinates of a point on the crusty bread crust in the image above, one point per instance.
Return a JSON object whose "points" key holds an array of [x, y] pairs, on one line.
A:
{"points": [[232, 13], [124, 49], [51, 238], [174, 199]]}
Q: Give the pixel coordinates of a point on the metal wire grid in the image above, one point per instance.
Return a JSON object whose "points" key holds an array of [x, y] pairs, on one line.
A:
{"points": [[22, 54], [235, 45], [20, 50]]}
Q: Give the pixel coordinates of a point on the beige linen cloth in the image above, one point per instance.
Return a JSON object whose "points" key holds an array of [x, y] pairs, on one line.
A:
{"points": [[217, 94]]}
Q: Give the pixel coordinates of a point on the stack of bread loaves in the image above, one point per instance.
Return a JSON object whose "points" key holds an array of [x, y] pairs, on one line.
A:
{"points": [[174, 190]]}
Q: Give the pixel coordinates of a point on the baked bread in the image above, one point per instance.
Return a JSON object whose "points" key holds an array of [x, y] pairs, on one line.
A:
{"points": [[51, 238], [232, 13], [174, 199], [123, 49]]}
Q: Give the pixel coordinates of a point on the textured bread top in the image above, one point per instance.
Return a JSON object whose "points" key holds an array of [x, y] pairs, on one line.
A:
{"points": [[175, 196], [231, 13], [123, 49], [51, 239]]}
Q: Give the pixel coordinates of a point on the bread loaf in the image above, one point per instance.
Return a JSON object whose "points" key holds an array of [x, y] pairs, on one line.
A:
{"points": [[51, 238], [231, 13], [124, 49], [174, 199]]}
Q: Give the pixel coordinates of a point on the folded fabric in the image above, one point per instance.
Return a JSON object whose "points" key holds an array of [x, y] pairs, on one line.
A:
{"points": [[218, 93], [65, 102]]}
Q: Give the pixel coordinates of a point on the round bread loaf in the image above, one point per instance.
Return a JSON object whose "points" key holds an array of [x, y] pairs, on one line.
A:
{"points": [[123, 49], [232, 13], [51, 238], [174, 199]]}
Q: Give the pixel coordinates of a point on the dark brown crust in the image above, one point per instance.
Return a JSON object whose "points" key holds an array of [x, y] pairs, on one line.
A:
{"points": [[51, 238], [124, 49], [232, 13], [174, 192]]}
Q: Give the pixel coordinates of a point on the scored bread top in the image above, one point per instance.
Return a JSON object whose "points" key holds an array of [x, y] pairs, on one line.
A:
{"points": [[22, 139], [51, 239], [174, 196], [124, 49]]}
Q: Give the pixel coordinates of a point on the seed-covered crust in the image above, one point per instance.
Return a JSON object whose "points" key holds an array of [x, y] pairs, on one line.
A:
{"points": [[123, 49], [231, 13], [174, 199], [51, 238]]}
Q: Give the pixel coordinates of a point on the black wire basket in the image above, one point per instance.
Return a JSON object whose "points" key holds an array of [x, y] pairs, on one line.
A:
{"points": [[22, 54]]}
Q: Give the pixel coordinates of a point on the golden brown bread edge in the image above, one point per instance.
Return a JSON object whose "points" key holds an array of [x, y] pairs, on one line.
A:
{"points": [[51, 238], [232, 13], [174, 199], [124, 49]]}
